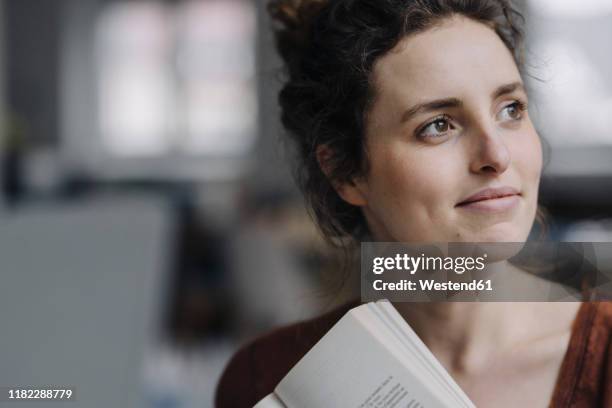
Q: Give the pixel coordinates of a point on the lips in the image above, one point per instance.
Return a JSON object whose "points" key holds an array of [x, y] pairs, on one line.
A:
{"points": [[490, 194]]}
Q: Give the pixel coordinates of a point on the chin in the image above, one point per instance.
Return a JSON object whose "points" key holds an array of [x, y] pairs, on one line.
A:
{"points": [[506, 241], [505, 232]]}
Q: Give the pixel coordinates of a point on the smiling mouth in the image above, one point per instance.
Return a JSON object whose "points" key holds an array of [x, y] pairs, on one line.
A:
{"points": [[489, 198], [492, 204], [489, 194]]}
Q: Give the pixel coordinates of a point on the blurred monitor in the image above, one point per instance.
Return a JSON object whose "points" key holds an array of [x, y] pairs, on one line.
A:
{"points": [[80, 298]]}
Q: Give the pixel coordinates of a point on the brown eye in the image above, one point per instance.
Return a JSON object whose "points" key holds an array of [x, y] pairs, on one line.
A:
{"points": [[513, 111], [441, 125], [436, 128]]}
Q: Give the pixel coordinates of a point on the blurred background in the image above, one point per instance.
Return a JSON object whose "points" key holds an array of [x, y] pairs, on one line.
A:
{"points": [[149, 224]]}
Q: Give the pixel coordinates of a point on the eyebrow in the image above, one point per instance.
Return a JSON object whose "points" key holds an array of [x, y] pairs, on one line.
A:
{"points": [[506, 89], [431, 106], [456, 103]]}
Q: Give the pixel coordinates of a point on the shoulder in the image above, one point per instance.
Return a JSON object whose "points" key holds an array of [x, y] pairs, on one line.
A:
{"points": [[599, 328], [258, 366], [604, 314], [600, 336], [599, 351], [594, 322], [593, 362]]}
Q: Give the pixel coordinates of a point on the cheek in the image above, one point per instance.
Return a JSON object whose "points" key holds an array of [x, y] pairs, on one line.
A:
{"points": [[530, 159], [413, 182]]}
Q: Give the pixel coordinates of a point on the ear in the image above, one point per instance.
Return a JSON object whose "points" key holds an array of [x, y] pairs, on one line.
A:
{"points": [[352, 192]]}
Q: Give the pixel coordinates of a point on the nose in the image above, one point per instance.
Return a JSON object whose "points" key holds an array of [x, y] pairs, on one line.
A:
{"points": [[491, 153]]}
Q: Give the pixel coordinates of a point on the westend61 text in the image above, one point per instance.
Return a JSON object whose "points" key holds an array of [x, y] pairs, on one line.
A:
{"points": [[430, 284]]}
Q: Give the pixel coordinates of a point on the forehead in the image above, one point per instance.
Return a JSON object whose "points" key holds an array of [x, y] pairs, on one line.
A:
{"points": [[453, 59]]}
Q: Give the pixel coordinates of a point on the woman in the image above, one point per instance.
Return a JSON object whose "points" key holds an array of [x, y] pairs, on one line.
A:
{"points": [[402, 111]]}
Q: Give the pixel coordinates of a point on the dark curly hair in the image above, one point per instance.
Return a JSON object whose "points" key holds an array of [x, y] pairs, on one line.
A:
{"points": [[330, 47]]}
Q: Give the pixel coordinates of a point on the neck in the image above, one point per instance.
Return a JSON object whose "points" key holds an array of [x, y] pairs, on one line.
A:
{"points": [[463, 335], [466, 336]]}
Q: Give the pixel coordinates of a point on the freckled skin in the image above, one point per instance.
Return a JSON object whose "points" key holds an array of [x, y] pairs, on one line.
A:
{"points": [[414, 184]]}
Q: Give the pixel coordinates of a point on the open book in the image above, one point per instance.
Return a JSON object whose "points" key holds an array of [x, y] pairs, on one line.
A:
{"points": [[370, 358]]}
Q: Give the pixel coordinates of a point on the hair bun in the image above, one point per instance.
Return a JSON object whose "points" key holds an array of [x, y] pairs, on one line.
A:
{"points": [[295, 18], [294, 13]]}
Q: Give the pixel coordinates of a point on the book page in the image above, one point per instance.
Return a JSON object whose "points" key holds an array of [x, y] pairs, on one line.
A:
{"points": [[351, 367], [411, 357], [396, 342], [271, 401], [417, 349]]}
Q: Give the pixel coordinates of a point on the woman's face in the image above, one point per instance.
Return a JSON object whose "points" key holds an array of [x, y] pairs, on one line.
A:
{"points": [[449, 122]]}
